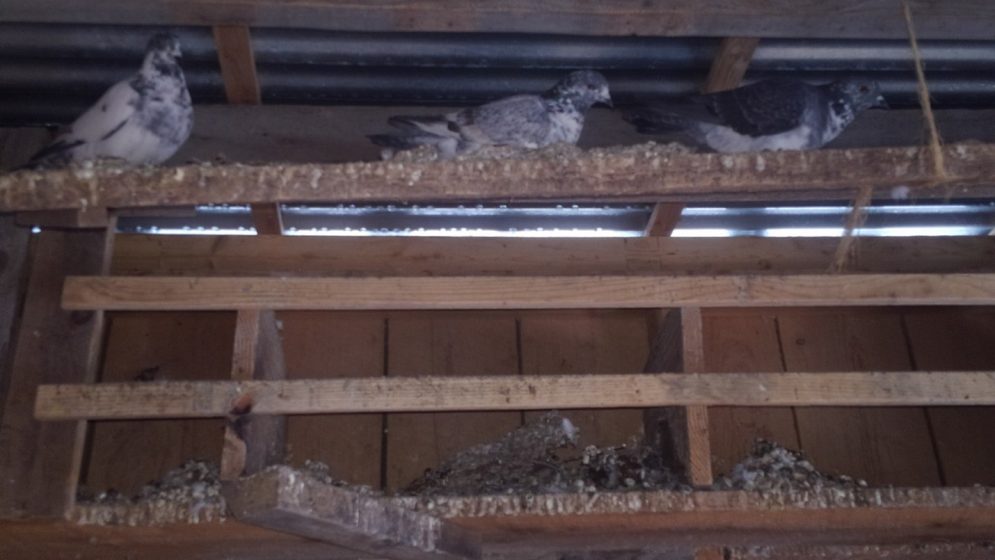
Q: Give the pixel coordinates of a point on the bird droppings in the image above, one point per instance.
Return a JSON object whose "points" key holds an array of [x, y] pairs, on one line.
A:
{"points": [[557, 152], [532, 459], [773, 468], [188, 494]]}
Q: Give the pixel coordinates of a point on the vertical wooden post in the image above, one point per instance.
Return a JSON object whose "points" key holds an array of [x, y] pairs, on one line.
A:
{"points": [[238, 70], [254, 442], [41, 462], [14, 242], [726, 72]]}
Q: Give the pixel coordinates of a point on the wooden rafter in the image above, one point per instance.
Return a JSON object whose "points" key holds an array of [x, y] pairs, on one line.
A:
{"points": [[538, 292], [204, 399], [960, 19]]}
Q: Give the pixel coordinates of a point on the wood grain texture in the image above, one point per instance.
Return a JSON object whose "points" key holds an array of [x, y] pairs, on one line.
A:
{"points": [[642, 175], [167, 255], [39, 468], [158, 347], [481, 292], [238, 64], [961, 19], [185, 399], [880, 445], [283, 500], [446, 344], [744, 340], [334, 345], [693, 358], [14, 248]]}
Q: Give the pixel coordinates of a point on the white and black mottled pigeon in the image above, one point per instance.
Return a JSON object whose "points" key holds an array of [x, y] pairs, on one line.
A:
{"points": [[525, 121], [774, 114], [141, 120]]}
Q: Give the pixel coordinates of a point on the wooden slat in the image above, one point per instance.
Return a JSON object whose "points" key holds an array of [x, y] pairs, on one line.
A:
{"points": [[14, 243], [144, 255], [645, 175], [39, 468], [253, 442], [166, 293], [961, 19], [65, 219], [699, 451], [208, 399], [238, 64], [279, 499]]}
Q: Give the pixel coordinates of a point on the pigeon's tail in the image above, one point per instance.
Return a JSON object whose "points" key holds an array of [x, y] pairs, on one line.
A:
{"points": [[655, 120], [55, 155]]}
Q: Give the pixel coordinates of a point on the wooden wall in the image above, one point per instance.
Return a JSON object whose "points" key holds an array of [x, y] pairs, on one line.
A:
{"points": [[900, 446]]}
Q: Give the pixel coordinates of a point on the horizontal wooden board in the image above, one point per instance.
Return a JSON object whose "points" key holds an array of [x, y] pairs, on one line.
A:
{"points": [[205, 255], [637, 174], [192, 399], [960, 19], [124, 293]]}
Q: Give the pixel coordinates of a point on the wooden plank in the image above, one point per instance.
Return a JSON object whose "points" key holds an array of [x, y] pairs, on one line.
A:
{"points": [[780, 18], [14, 242], [65, 219], [483, 292], [918, 551], [726, 72], [158, 347], [699, 452], [283, 500], [641, 174], [337, 134], [253, 442], [143, 255], [267, 219], [958, 339], [446, 344], [880, 445], [184, 399], [238, 64], [39, 468], [62, 540], [744, 340], [322, 345]]}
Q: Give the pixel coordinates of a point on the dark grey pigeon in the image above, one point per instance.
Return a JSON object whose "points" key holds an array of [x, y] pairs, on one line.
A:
{"points": [[767, 115], [141, 120], [525, 121]]}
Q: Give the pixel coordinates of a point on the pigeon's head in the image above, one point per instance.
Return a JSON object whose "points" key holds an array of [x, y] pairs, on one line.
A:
{"points": [[164, 46], [583, 89], [859, 94]]}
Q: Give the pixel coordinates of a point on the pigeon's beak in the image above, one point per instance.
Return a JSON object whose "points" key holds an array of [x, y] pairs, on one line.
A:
{"points": [[881, 103]]}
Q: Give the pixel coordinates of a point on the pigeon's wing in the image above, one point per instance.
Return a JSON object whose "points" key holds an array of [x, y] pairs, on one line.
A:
{"points": [[107, 117], [762, 108], [517, 120]]}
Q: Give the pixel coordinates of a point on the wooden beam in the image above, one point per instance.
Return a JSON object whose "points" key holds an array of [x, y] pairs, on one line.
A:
{"points": [[961, 19], [539, 292], [254, 442], [14, 243], [40, 465], [284, 500], [727, 71], [205, 399], [641, 173], [83, 218], [918, 551], [205, 255]]}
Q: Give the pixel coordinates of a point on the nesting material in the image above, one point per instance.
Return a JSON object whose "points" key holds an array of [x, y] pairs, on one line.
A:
{"points": [[189, 494], [772, 468], [561, 151], [532, 460]]}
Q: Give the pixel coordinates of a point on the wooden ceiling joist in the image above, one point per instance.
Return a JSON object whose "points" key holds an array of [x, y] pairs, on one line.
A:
{"points": [[121, 293], [633, 175], [874, 19], [211, 399]]}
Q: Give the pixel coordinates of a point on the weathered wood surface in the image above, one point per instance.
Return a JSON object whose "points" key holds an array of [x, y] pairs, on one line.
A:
{"points": [[960, 19], [39, 465], [124, 293], [14, 242], [285, 500], [635, 175], [191, 399], [200, 255], [981, 550]]}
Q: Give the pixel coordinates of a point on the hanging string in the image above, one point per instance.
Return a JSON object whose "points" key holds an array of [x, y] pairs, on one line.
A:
{"points": [[935, 143], [847, 248]]}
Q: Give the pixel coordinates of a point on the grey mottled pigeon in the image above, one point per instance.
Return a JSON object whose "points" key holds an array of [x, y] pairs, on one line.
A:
{"points": [[767, 115], [141, 120], [526, 121]]}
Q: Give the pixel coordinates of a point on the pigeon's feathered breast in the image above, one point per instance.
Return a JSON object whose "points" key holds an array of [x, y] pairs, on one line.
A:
{"points": [[163, 107], [763, 108]]}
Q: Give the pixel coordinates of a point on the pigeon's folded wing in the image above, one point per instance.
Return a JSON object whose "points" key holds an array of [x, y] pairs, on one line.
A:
{"points": [[507, 121], [761, 109]]}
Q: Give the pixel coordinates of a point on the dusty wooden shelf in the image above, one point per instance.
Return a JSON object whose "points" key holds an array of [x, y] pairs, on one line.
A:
{"points": [[636, 173], [199, 399], [263, 255], [535, 292]]}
